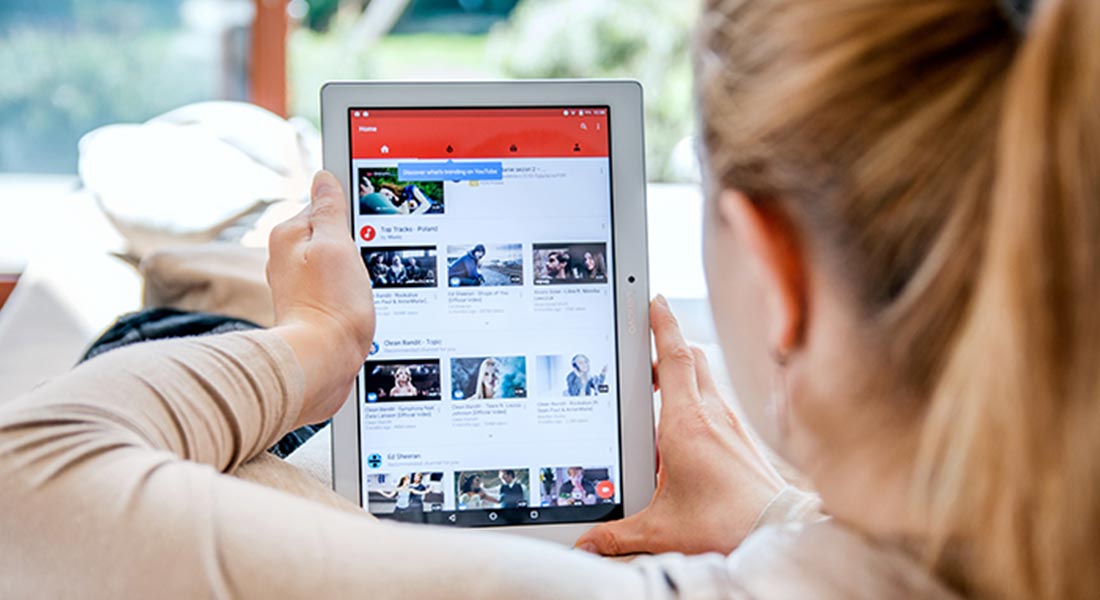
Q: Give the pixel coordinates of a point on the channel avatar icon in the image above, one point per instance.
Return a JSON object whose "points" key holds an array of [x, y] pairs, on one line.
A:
{"points": [[367, 233]]}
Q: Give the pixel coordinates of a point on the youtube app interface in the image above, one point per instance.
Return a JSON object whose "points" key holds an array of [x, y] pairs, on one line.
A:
{"points": [[491, 394]]}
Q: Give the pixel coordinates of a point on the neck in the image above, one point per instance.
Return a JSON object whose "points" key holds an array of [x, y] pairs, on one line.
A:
{"points": [[867, 485]]}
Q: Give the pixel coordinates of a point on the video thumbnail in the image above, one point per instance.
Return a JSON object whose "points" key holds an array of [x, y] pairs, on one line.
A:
{"points": [[390, 493], [498, 488], [401, 380], [407, 267], [380, 193], [490, 377], [558, 264], [576, 486], [572, 375], [485, 265]]}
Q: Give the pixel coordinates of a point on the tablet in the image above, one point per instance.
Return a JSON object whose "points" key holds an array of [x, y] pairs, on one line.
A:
{"points": [[503, 227]]}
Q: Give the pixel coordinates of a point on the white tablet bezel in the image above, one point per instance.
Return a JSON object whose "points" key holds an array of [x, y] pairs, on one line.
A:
{"points": [[624, 98]]}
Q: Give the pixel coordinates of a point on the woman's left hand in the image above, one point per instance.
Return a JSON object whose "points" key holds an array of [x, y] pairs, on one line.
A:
{"points": [[324, 307], [713, 480]]}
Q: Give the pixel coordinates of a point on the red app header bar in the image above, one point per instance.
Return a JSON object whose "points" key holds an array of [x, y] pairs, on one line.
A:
{"points": [[463, 133]]}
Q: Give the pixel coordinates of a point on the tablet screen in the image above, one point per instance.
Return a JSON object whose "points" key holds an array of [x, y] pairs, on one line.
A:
{"points": [[490, 396]]}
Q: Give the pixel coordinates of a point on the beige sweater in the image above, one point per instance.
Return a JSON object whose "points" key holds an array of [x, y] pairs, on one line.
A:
{"points": [[114, 485]]}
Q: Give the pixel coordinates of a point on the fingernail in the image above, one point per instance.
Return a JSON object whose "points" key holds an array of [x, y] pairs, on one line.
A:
{"points": [[588, 547], [322, 184], [661, 300]]}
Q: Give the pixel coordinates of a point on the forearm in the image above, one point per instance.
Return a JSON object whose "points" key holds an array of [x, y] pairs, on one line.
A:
{"points": [[217, 400], [95, 487]]}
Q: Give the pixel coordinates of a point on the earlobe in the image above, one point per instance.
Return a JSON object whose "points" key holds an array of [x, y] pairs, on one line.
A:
{"points": [[772, 248]]}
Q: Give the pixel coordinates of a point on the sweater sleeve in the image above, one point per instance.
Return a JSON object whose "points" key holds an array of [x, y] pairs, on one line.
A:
{"points": [[114, 486]]}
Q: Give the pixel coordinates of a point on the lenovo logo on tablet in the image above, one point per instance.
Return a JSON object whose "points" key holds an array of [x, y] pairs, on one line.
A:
{"points": [[631, 312]]}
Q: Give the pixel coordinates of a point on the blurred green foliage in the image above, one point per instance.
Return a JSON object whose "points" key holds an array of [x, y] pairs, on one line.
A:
{"points": [[69, 69], [316, 58], [648, 40], [319, 57], [61, 85]]}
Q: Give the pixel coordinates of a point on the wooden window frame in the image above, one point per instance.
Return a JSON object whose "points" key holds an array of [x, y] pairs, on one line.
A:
{"points": [[267, 73]]}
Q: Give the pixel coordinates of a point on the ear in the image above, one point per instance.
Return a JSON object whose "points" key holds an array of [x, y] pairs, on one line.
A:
{"points": [[772, 249]]}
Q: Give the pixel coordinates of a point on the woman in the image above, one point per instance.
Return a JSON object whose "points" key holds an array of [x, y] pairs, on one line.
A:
{"points": [[900, 243], [402, 384], [403, 492], [488, 380], [595, 269], [472, 495]]}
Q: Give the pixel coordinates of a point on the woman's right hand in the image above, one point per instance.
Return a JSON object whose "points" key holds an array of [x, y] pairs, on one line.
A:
{"points": [[713, 480], [324, 307]]}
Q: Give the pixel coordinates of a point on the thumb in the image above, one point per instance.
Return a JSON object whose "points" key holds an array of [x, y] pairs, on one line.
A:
{"points": [[628, 536], [328, 207]]}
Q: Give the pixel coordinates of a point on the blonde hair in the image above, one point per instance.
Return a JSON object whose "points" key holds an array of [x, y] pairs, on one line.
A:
{"points": [[947, 167], [484, 389]]}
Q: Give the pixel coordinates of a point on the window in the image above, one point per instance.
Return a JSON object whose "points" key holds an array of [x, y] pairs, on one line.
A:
{"points": [[74, 65]]}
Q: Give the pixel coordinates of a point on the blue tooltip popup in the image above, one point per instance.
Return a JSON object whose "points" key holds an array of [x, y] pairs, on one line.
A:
{"points": [[450, 171]]}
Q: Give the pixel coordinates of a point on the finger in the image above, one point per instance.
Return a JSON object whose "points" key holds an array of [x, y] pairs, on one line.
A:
{"points": [[703, 374], [328, 209], [657, 451], [675, 360], [628, 536]]}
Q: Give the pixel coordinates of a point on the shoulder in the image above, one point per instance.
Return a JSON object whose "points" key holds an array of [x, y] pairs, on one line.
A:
{"points": [[821, 560], [828, 560]]}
